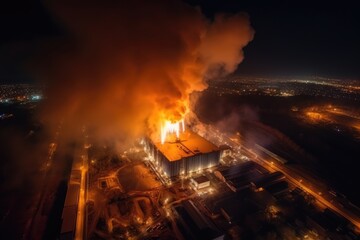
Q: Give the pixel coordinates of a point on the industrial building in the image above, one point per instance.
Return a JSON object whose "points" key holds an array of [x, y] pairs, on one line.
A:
{"points": [[268, 179], [184, 154], [236, 207], [200, 182], [194, 224], [69, 213], [235, 171], [71, 207], [241, 176]]}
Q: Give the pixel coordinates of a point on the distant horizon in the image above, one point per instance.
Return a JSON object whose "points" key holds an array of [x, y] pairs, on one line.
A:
{"points": [[34, 82]]}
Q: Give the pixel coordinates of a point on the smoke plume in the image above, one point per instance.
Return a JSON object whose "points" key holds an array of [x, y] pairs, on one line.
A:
{"points": [[124, 66]]}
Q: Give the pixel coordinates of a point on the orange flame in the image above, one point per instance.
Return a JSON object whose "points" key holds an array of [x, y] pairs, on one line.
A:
{"points": [[172, 128]]}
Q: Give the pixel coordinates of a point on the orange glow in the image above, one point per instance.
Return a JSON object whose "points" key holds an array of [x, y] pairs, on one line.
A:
{"points": [[315, 115], [146, 68], [172, 128]]}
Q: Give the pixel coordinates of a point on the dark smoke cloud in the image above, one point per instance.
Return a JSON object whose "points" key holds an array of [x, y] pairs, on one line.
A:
{"points": [[124, 66]]}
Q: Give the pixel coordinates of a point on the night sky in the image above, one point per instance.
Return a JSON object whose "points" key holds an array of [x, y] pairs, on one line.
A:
{"points": [[293, 38]]}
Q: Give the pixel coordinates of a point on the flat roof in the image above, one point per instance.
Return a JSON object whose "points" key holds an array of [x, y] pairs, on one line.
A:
{"points": [[199, 226], [188, 145], [72, 195], [201, 179], [69, 215], [237, 170]]}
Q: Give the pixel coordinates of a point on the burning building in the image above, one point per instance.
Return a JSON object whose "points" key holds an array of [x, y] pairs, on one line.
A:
{"points": [[182, 154]]}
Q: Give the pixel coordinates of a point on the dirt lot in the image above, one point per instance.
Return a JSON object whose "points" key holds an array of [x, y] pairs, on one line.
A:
{"points": [[137, 178]]}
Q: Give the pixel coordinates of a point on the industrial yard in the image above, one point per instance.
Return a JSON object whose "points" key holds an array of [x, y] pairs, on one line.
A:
{"points": [[132, 198]]}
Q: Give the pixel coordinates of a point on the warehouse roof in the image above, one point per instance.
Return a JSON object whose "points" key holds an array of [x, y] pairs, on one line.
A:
{"points": [[72, 195], [201, 179], [69, 215], [188, 145]]}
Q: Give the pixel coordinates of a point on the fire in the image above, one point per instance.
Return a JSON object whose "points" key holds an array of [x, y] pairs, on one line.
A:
{"points": [[172, 128]]}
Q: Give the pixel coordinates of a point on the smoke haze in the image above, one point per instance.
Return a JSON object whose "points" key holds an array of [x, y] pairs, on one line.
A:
{"points": [[124, 66]]}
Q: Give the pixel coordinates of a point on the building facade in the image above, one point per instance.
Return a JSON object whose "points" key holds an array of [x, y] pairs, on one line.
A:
{"points": [[190, 153]]}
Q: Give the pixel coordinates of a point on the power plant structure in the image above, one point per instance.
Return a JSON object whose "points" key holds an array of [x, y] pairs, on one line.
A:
{"points": [[183, 154]]}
